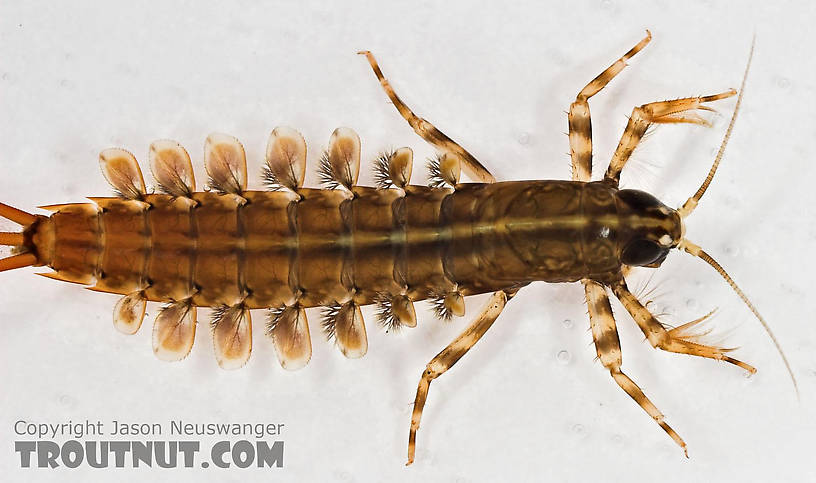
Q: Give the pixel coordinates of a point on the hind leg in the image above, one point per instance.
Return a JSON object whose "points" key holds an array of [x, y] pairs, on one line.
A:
{"points": [[607, 344], [680, 339], [580, 123], [428, 131], [450, 355]]}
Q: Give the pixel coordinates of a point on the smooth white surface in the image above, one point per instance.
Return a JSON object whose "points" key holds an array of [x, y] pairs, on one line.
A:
{"points": [[528, 403]]}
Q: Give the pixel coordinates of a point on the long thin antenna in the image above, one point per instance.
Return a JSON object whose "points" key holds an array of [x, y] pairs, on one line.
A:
{"points": [[698, 252], [691, 203]]}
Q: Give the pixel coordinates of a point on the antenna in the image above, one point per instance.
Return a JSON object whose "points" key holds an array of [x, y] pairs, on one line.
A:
{"points": [[691, 203]]}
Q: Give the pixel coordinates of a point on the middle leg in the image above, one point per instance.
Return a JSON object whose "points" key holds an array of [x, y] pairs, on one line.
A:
{"points": [[580, 123], [607, 344]]}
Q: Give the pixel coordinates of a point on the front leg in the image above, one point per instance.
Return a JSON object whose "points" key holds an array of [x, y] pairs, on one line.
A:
{"points": [[682, 339], [663, 112]]}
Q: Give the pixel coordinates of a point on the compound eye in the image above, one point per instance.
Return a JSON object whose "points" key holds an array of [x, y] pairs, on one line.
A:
{"points": [[642, 252]]}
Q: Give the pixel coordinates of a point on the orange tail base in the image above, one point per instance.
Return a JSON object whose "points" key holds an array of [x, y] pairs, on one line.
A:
{"points": [[27, 256]]}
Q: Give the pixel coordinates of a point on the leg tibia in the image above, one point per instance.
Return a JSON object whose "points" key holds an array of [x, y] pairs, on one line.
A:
{"points": [[428, 131], [580, 122], [607, 344], [449, 356]]}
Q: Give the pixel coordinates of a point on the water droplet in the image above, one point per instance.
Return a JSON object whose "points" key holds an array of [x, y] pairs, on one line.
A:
{"points": [[578, 429], [567, 323], [524, 138], [782, 83], [563, 357], [731, 250]]}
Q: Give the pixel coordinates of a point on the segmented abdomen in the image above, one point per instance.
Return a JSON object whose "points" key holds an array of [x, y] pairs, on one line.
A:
{"points": [[270, 249], [291, 247]]}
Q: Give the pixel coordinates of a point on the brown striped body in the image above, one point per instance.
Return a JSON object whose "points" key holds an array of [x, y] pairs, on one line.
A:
{"points": [[290, 248], [270, 249]]}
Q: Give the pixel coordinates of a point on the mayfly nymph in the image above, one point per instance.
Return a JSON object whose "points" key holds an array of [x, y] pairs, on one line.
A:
{"points": [[344, 246]]}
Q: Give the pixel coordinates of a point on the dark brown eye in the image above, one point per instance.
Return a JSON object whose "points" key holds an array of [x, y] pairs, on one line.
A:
{"points": [[642, 252]]}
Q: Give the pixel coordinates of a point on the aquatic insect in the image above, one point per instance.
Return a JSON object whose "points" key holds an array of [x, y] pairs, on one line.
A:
{"points": [[345, 246]]}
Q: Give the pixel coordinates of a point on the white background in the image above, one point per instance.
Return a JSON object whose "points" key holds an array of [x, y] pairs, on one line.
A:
{"points": [[78, 77]]}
